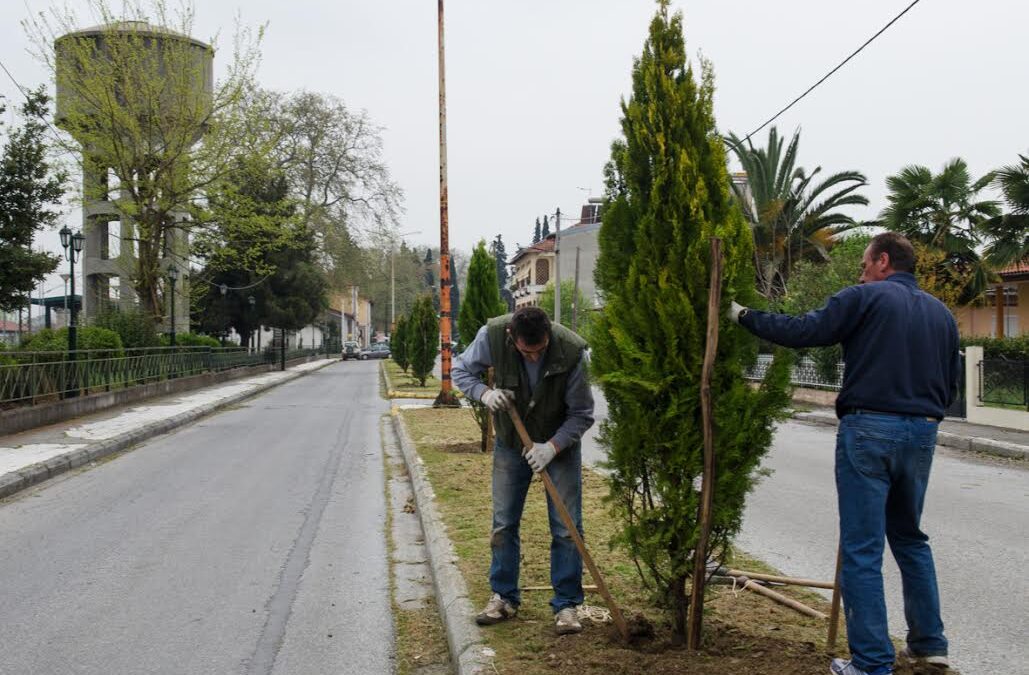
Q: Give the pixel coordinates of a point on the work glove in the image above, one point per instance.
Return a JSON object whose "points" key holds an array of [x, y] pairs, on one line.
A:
{"points": [[541, 455], [498, 399], [734, 311]]}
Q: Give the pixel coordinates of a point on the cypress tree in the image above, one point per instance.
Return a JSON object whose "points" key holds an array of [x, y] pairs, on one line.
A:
{"points": [[398, 344], [537, 233], [668, 193], [545, 232], [482, 302], [423, 338]]}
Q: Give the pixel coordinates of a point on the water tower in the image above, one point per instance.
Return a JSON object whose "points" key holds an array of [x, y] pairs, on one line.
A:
{"points": [[100, 73]]}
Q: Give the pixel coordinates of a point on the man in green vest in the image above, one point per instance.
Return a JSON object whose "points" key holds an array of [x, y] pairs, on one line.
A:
{"points": [[540, 369]]}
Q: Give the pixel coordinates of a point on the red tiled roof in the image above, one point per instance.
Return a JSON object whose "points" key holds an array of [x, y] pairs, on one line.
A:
{"points": [[1016, 268], [545, 246], [9, 326]]}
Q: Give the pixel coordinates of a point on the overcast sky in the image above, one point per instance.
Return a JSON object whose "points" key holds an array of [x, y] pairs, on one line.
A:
{"points": [[533, 87]]}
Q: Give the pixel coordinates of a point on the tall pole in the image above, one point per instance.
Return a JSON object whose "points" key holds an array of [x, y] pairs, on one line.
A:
{"points": [[392, 289], [575, 294], [73, 341], [446, 396], [557, 267], [171, 340]]}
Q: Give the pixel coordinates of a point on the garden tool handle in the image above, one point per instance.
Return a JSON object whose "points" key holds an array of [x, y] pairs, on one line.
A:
{"points": [[566, 518]]}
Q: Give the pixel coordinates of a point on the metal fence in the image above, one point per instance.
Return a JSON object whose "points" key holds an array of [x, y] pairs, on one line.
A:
{"points": [[1004, 382], [27, 378], [805, 373]]}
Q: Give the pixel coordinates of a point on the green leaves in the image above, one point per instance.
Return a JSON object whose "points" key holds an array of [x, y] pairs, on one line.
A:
{"points": [[668, 194], [423, 338]]}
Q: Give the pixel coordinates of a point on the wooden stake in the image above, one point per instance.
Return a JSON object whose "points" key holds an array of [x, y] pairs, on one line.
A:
{"points": [[834, 612], [707, 489], [774, 578], [566, 518], [749, 585]]}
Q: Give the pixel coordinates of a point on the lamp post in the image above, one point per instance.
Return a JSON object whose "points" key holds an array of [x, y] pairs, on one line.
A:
{"points": [[173, 276], [72, 244], [393, 279], [253, 301]]}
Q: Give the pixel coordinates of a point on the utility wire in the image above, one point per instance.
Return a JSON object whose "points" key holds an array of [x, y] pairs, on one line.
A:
{"points": [[24, 92], [830, 73]]}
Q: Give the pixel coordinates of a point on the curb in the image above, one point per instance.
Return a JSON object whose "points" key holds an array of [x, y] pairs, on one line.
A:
{"points": [[464, 638], [15, 481], [986, 446]]}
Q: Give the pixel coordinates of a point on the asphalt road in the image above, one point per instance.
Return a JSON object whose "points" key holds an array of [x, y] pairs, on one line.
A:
{"points": [[251, 542], [976, 515]]}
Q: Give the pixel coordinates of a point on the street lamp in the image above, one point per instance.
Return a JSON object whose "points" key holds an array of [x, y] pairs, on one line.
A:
{"points": [[72, 244], [173, 276], [253, 301], [393, 279]]}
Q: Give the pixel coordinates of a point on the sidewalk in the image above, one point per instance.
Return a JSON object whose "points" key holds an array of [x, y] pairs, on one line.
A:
{"points": [[954, 434], [30, 457]]}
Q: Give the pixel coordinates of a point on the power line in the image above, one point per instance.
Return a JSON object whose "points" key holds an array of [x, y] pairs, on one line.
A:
{"points": [[24, 92], [830, 73]]}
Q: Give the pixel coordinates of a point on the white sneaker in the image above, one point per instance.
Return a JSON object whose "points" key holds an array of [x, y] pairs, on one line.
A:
{"points": [[497, 610], [568, 621], [938, 660]]}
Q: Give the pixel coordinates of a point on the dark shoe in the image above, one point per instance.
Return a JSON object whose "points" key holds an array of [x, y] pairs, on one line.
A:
{"points": [[497, 610]]}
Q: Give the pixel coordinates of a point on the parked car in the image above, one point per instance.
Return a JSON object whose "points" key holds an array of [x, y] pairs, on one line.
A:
{"points": [[376, 351], [351, 350]]}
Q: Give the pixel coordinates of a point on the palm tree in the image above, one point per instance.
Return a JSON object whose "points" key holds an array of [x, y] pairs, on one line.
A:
{"points": [[1009, 233], [791, 216], [944, 212]]}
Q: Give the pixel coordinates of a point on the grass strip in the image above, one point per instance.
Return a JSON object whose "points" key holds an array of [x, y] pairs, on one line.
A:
{"points": [[743, 632]]}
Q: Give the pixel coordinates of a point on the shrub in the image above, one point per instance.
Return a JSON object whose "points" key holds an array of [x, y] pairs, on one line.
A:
{"points": [[135, 328], [190, 340], [1016, 348]]}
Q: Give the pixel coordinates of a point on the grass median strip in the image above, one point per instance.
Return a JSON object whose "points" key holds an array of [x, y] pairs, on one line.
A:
{"points": [[404, 383], [743, 632]]}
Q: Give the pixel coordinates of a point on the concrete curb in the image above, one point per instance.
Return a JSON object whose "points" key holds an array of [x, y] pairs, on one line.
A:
{"points": [[987, 446], [463, 636], [15, 481]]}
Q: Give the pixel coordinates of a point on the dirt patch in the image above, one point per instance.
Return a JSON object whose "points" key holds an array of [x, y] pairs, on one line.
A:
{"points": [[743, 632]]}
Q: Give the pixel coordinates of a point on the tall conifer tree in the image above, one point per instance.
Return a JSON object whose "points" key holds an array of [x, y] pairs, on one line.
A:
{"points": [[668, 194], [398, 344], [537, 234], [545, 232], [482, 302], [422, 338]]}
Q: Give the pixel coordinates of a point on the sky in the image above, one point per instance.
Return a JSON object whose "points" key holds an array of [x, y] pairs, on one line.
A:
{"points": [[534, 87]]}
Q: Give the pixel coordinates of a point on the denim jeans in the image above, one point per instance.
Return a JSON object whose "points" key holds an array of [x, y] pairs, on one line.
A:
{"points": [[511, 479], [882, 470]]}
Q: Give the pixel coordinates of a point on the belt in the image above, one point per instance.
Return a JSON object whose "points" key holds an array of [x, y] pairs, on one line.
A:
{"points": [[866, 411]]}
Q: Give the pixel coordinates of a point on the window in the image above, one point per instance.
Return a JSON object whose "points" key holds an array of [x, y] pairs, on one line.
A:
{"points": [[542, 271]]}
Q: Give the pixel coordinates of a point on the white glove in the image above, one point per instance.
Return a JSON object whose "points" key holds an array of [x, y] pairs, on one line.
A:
{"points": [[498, 399], [735, 309], [541, 455]]}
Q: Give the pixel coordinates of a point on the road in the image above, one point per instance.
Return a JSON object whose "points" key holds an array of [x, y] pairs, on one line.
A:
{"points": [[251, 542], [976, 514]]}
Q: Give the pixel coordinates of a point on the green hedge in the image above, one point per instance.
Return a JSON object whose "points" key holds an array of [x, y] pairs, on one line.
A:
{"points": [[89, 337], [1001, 348], [190, 340]]}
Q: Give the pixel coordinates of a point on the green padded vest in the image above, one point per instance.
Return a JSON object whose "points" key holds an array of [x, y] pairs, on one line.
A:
{"points": [[544, 411]]}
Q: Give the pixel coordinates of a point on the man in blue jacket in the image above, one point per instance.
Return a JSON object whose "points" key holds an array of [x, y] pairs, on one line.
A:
{"points": [[900, 350]]}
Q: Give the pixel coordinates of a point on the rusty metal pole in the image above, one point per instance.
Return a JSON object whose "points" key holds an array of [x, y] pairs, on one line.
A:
{"points": [[446, 395]]}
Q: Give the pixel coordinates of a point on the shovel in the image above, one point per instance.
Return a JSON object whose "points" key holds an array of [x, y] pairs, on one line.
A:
{"points": [[566, 518]]}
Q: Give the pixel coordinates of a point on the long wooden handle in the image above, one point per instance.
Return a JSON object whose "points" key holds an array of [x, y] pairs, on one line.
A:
{"points": [[566, 518], [834, 613]]}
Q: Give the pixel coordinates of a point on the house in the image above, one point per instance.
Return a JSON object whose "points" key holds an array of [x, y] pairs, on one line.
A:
{"points": [[10, 333], [981, 319], [535, 265], [533, 269]]}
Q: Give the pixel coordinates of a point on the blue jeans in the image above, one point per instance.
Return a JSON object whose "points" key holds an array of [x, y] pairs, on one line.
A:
{"points": [[882, 471], [511, 478]]}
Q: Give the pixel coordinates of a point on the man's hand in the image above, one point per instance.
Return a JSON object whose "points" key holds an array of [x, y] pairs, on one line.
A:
{"points": [[498, 399], [541, 455], [735, 310]]}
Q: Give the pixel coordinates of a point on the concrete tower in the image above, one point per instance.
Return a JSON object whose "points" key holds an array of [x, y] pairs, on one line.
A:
{"points": [[110, 250]]}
